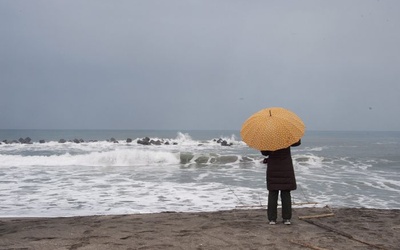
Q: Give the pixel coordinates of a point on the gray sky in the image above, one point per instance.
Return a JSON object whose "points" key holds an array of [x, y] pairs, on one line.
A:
{"points": [[198, 64]]}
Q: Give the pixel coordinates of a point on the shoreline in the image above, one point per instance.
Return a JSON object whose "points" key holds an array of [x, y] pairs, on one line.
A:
{"points": [[312, 228]]}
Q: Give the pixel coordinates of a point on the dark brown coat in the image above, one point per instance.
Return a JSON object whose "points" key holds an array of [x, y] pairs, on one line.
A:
{"points": [[280, 172]]}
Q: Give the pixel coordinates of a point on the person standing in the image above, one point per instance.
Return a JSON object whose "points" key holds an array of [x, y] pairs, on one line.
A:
{"points": [[280, 178]]}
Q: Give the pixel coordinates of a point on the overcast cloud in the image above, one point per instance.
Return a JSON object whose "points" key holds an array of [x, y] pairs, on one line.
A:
{"points": [[198, 64]]}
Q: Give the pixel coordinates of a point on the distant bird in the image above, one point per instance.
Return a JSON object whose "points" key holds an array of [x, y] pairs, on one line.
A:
{"points": [[370, 108]]}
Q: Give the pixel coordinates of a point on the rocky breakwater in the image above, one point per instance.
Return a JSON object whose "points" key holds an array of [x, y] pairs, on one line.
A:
{"points": [[149, 141], [223, 142], [21, 140], [142, 141]]}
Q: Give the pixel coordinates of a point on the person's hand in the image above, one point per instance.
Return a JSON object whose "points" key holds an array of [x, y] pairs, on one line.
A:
{"points": [[265, 161]]}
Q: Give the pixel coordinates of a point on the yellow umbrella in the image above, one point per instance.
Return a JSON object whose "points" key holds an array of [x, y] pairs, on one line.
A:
{"points": [[272, 129]]}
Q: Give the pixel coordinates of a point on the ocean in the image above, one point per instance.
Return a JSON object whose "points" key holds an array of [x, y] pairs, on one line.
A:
{"points": [[189, 171]]}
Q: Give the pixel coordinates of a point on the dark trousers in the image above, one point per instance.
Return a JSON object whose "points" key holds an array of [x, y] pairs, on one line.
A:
{"points": [[273, 205]]}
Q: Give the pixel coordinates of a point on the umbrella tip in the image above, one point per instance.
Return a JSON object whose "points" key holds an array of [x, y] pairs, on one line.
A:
{"points": [[270, 113]]}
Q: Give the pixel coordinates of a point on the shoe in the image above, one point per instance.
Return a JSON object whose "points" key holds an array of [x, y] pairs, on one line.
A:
{"points": [[272, 222], [286, 222]]}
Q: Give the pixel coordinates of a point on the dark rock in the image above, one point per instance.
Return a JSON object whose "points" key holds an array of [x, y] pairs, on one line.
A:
{"points": [[113, 140], [27, 140], [144, 141], [225, 143], [81, 140], [222, 142], [42, 141], [158, 142], [76, 141], [5, 141], [14, 142], [166, 143], [175, 143], [62, 141], [129, 140]]}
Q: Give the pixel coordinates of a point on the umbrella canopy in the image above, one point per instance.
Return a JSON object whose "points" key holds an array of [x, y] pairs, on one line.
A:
{"points": [[272, 129]]}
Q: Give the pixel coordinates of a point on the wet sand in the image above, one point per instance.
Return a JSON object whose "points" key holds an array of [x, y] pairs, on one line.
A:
{"points": [[346, 228]]}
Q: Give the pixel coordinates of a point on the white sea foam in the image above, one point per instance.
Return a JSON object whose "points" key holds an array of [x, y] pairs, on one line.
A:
{"points": [[315, 149], [307, 161], [118, 157], [66, 179]]}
